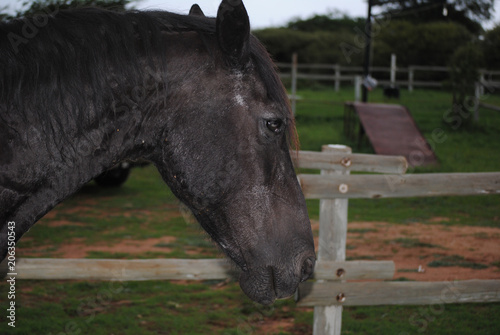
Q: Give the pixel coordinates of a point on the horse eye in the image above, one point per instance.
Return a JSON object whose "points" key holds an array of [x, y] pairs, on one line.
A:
{"points": [[275, 125]]}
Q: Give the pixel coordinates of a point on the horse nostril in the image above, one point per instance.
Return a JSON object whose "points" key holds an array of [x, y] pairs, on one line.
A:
{"points": [[307, 269]]}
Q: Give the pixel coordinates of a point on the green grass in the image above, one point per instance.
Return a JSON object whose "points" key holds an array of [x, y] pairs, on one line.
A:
{"points": [[153, 307], [144, 208], [463, 149], [413, 243], [435, 319], [162, 307], [455, 260], [474, 149]]}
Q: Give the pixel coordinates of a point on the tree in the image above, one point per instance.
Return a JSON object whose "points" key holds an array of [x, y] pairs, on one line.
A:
{"points": [[318, 39], [491, 48], [468, 13], [418, 44], [312, 47], [52, 6], [333, 22], [464, 73], [341, 41]]}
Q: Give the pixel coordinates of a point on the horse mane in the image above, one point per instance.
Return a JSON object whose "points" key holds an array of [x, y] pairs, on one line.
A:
{"points": [[38, 70]]}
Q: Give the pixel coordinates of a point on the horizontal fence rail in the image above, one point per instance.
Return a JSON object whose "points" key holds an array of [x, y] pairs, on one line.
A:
{"points": [[354, 270], [350, 162], [489, 106], [124, 269], [399, 186], [398, 293], [179, 269]]}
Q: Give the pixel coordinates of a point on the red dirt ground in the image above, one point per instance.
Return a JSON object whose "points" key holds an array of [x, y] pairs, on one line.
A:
{"points": [[412, 247], [384, 241]]}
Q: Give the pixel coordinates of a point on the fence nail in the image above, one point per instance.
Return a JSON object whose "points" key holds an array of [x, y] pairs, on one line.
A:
{"points": [[346, 162], [343, 188]]}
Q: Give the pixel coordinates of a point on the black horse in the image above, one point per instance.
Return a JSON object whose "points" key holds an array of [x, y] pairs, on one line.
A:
{"points": [[82, 90]]}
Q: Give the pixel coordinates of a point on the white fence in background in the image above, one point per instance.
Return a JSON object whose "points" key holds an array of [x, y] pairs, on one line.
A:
{"points": [[339, 74]]}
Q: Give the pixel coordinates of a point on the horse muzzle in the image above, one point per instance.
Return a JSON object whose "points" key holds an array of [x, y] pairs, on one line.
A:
{"points": [[265, 284]]}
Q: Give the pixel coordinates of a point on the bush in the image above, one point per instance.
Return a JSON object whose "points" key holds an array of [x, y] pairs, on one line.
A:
{"points": [[312, 47], [418, 44], [414, 44]]}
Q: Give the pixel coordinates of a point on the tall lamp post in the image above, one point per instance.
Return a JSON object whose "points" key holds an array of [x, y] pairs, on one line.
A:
{"points": [[366, 67]]}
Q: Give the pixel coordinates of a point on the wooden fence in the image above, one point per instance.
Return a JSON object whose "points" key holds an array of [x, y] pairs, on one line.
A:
{"points": [[334, 187], [330, 290], [489, 81], [407, 77]]}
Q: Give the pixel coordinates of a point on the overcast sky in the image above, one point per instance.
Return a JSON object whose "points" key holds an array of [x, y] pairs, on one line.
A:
{"points": [[265, 13]]}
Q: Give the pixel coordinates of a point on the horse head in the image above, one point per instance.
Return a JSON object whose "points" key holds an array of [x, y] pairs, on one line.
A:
{"points": [[225, 154], [198, 97]]}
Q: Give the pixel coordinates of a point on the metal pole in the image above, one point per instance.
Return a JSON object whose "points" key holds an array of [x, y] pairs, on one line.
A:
{"points": [[368, 32]]}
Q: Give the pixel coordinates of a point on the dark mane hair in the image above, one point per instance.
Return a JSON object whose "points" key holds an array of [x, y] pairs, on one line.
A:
{"points": [[39, 70]]}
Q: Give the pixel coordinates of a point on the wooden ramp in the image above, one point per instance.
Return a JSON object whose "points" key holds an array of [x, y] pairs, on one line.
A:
{"points": [[392, 131]]}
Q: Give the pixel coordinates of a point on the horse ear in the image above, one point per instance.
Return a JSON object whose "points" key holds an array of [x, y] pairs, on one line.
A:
{"points": [[196, 11], [233, 31]]}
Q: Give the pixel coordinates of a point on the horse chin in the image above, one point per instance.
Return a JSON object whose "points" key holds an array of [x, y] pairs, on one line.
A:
{"points": [[260, 286]]}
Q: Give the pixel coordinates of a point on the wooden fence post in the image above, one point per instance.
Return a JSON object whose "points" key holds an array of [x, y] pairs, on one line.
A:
{"points": [[411, 75], [477, 101], [393, 70], [332, 246], [357, 88], [337, 77]]}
